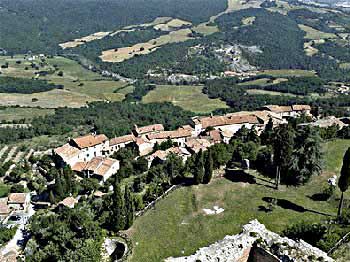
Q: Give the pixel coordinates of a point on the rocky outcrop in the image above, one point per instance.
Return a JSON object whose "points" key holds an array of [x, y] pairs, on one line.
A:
{"points": [[255, 237]]}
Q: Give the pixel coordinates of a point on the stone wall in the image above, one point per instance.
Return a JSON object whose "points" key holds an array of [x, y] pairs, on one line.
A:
{"points": [[255, 235]]}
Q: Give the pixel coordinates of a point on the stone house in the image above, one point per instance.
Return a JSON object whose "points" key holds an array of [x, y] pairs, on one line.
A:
{"points": [[231, 123], [145, 130], [81, 149], [18, 201], [178, 136], [101, 168], [120, 142]]}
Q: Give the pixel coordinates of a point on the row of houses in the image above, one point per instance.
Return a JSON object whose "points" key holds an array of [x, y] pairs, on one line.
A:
{"points": [[90, 155]]}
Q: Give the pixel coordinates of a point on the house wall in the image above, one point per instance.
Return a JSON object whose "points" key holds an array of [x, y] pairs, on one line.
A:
{"points": [[89, 153], [113, 170]]}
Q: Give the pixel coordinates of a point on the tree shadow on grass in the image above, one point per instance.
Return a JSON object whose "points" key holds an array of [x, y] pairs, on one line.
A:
{"points": [[319, 197], [240, 176], [286, 204]]}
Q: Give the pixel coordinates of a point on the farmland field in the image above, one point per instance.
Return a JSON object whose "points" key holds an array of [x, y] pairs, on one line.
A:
{"points": [[188, 97], [80, 85], [17, 113], [125, 53], [288, 72], [312, 33], [177, 226], [267, 92]]}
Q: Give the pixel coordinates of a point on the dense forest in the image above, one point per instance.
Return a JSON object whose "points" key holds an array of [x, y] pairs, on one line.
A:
{"points": [[25, 86], [238, 99], [296, 85], [112, 119], [40, 25]]}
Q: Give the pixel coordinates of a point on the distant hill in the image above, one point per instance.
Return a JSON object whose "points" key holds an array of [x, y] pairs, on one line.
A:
{"points": [[40, 25]]}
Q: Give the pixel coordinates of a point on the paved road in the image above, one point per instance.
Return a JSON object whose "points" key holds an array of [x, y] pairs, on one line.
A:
{"points": [[17, 241]]}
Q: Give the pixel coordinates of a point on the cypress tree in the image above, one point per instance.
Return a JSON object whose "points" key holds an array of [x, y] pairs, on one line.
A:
{"points": [[118, 211], [208, 172], [283, 147], [129, 208], [199, 168], [344, 179]]}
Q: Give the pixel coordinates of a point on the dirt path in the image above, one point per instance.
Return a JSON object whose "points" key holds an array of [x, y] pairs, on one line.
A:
{"points": [[3, 150], [18, 157], [10, 154]]}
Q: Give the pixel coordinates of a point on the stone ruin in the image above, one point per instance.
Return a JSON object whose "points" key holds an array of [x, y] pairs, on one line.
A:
{"points": [[256, 243]]}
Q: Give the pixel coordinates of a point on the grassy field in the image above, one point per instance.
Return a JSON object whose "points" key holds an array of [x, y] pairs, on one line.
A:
{"points": [[312, 33], [267, 92], [178, 226], [80, 85], [125, 53], [16, 113], [188, 97], [288, 72], [263, 82]]}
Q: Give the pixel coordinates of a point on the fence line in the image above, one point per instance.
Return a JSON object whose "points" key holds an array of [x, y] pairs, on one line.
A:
{"points": [[339, 243]]}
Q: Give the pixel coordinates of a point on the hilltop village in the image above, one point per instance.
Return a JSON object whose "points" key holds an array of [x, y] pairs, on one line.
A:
{"points": [[89, 155]]}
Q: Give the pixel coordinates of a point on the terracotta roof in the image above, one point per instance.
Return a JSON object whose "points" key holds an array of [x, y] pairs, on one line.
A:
{"points": [[17, 198], [150, 128], [94, 163], [178, 151], [170, 134], [196, 144], [67, 151], [187, 127], [279, 109], [4, 209], [89, 140], [79, 166], [215, 135], [140, 141], [160, 154], [68, 202], [121, 140], [301, 108], [105, 166], [214, 121]]}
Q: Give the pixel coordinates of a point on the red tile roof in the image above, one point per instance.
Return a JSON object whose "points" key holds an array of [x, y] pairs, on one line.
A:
{"points": [[214, 121], [67, 151], [68, 202], [148, 129], [170, 134], [89, 140], [121, 140], [17, 198], [279, 109], [301, 108]]}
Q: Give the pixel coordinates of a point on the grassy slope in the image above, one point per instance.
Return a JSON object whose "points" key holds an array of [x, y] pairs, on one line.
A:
{"points": [[12, 113], [188, 97], [93, 87], [178, 224]]}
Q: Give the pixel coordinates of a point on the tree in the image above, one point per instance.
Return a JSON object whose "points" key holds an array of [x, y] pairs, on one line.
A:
{"points": [[267, 134], [208, 169], [344, 179], [129, 208], [199, 168], [282, 150], [117, 221]]}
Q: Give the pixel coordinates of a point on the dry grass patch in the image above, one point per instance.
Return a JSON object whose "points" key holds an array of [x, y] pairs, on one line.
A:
{"points": [[312, 33], [125, 53], [188, 97], [172, 24], [83, 40]]}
